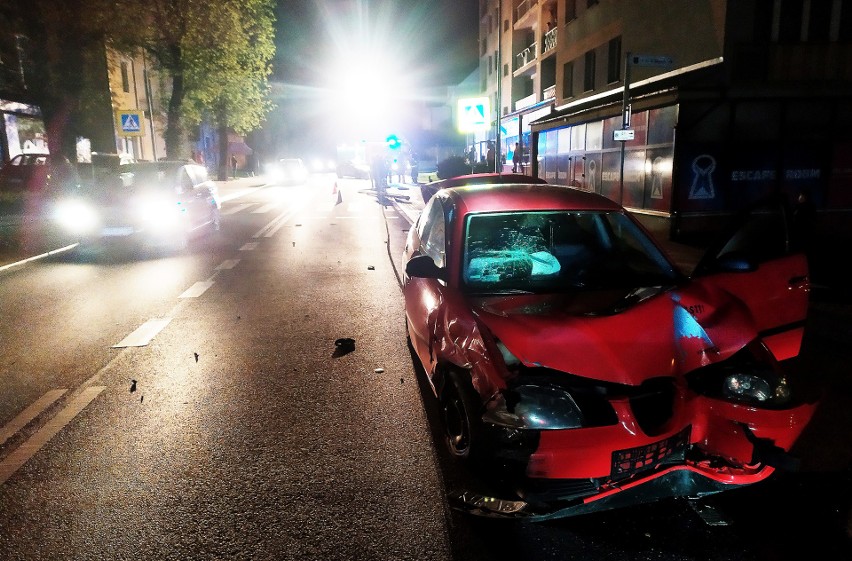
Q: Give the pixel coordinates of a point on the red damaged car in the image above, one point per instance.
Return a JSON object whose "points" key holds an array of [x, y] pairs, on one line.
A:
{"points": [[570, 354]]}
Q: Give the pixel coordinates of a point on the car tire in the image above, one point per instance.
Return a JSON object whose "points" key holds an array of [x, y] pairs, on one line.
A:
{"points": [[462, 423]]}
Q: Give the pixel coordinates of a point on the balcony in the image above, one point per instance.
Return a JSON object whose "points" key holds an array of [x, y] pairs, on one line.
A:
{"points": [[548, 93], [523, 8], [549, 41], [526, 56]]}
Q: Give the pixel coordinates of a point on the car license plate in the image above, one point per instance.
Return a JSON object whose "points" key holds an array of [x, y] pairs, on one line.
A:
{"points": [[634, 460], [117, 231]]}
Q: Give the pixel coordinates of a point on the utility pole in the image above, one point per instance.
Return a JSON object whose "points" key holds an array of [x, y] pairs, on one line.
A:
{"points": [[498, 159]]}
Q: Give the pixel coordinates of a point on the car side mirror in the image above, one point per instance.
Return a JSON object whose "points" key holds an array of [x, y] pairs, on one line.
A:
{"points": [[424, 267]]}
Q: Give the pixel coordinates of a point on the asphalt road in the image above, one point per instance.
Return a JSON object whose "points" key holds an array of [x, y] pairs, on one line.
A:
{"points": [[249, 435]]}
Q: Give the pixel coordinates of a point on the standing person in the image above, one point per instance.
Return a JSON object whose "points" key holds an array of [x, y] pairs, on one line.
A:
{"points": [[518, 158], [234, 165], [490, 157], [413, 162]]}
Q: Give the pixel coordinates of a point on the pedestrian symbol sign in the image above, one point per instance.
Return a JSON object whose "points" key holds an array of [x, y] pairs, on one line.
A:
{"points": [[474, 114], [129, 122]]}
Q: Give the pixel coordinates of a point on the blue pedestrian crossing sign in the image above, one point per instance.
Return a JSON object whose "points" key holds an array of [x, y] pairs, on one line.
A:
{"points": [[129, 122], [474, 114]]}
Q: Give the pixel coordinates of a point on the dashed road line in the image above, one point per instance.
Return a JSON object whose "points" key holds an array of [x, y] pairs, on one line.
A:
{"points": [[28, 449], [227, 264], [143, 334], [275, 224], [30, 413], [266, 208], [196, 289]]}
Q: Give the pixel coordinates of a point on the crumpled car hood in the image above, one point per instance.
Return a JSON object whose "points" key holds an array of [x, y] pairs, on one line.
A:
{"points": [[670, 333]]}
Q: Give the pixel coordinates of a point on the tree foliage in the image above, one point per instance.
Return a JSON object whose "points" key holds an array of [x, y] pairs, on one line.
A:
{"points": [[216, 56]]}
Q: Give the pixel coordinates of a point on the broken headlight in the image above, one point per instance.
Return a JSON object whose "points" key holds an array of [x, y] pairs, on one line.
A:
{"points": [[539, 407], [750, 376], [764, 388]]}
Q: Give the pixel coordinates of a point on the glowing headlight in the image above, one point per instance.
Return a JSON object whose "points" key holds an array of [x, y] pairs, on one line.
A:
{"points": [[534, 407], [76, 216], [756, 388], [161, 214]]}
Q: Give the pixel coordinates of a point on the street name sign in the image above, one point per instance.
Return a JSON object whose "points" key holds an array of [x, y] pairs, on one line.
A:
{"points": [[653, 61]]}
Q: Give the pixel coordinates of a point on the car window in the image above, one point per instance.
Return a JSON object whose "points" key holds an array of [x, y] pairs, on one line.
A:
{"points": [[433, 233], [557, 251]]}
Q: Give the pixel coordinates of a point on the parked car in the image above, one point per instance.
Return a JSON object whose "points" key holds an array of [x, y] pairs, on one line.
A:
{"points": [[572, 358], [148, 204], [429, 189], [29, 182], [287, 171]]}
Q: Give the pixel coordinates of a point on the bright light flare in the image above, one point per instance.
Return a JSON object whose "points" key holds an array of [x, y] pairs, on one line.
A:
{"points": [[76, 216]]}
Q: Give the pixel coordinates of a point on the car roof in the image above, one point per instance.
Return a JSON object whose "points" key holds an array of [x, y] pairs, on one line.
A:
{"points": [[487, 178], [525, 197]]}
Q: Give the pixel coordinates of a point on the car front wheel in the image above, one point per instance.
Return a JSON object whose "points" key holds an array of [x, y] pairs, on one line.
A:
{"points": [[462, 425]]}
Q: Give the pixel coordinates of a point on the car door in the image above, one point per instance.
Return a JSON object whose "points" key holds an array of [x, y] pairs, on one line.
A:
{"points": [[758, 264], [425, 297]]}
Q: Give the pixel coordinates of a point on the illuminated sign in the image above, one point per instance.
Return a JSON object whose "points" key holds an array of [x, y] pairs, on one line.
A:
{"points": [[474, 114], [623, 135]]}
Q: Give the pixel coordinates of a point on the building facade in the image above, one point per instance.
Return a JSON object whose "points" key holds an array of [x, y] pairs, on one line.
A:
{"points": [[727, 101]]}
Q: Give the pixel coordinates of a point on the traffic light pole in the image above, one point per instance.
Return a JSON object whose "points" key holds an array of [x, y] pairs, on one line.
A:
{"points": [[498, 158]]}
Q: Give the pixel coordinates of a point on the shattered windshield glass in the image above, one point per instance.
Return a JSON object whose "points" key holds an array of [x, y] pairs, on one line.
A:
{"points": [[556, 251]]}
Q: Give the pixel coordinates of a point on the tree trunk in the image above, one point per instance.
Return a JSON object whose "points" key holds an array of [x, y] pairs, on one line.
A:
{"points": [[174, 136], [224, 157]]}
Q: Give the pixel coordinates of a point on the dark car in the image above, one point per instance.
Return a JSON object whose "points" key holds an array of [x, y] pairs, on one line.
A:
{"points": [[149, 204], [429, 189], [571, 356], [30, 182]]}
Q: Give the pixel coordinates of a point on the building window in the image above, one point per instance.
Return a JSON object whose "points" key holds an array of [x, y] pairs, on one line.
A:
{"points": [[570, 10], [589, 75], [125, 78], [590, 3], [819, 22], [505, 70], [496, 61], [613, 63], [505, 25], [568, 80]]}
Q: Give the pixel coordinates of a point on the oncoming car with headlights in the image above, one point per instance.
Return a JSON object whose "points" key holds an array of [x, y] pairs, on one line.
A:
{"points": [[287, 171], [571, 356], [146, 204]]}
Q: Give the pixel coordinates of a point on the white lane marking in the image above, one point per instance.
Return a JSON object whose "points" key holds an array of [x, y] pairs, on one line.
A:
{"points": [[236, 209], [27, 450], [227, 264], [266, 208], [251, 246], [30, 413], [239, 194], [196, 289], [276, 223], [35, 257], [144, 333]]}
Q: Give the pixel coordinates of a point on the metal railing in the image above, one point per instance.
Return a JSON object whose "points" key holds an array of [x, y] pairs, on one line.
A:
{"points": [[526, 56], [548, 92], [549, 41]]}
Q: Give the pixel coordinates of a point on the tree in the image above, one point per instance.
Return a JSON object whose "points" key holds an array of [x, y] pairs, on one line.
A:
{"points": [[216, 55]]}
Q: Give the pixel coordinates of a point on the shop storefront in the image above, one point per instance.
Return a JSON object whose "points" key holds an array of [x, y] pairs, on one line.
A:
{"points": [[23, 129]]}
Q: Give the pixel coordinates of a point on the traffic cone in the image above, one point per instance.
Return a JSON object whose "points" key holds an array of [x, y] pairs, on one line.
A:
{"points": [[334, 189], [339, 198]]}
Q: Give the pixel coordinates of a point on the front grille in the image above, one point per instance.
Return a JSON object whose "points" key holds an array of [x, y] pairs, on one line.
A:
{"points": [[653, 404], [552, 490]]}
